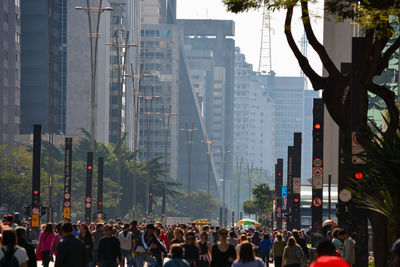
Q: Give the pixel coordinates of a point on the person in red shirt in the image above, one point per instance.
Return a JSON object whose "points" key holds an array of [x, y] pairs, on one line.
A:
{"points": [[164, 236], [327, 256]]}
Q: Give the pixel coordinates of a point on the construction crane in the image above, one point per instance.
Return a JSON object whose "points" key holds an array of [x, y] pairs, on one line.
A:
{"points": [[304, 46], [265, 60]]}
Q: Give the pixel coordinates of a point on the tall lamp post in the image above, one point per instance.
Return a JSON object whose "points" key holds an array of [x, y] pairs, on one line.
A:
{"points": [[166, 118], [209, 143], [249, 174], [239, 165], [136, 105], [121, 67], [189, 141], [223, 152]]}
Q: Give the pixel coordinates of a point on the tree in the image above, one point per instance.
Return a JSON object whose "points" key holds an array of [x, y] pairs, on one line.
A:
{"points": [[262, 200], [250, 207]]}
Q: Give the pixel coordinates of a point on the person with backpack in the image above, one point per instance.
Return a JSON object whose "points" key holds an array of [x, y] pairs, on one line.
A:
{"points": [[12, 255], [29, 248], [293, 255], [265, 248]]}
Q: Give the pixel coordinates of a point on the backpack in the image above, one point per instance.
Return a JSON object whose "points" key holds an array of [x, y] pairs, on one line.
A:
{"points": [[9, 260]]}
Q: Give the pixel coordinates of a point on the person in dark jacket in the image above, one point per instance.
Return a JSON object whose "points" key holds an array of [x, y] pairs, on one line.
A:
{"points": [[302, 243], [70, 251], [109, 249], [192, 252], [30, 250]]}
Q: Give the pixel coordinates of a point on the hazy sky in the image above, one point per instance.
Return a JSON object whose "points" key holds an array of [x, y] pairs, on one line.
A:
{"points": [[248, 32]]}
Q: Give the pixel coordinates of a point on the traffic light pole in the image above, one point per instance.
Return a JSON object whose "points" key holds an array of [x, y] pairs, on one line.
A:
{"points": [[278, 190], [100, 171], [67, 178], [89, 181], [35, 206]]}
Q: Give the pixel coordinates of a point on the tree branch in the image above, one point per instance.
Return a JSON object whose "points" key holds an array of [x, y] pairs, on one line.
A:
{"points": [[384, 62], [316, 45], [316, 80], [389, 97]]}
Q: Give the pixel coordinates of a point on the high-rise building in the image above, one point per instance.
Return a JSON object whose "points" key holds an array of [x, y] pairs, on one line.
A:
{"points": [[287, 94], [78, 79], [10, 71], [253, 119], [41, 44]]}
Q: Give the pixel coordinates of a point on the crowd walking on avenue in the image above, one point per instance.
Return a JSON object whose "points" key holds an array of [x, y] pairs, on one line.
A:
{"points": [[132, 244]]}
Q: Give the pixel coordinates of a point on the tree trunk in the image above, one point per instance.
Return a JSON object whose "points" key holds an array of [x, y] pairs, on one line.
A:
{"points": [[380, 238]]}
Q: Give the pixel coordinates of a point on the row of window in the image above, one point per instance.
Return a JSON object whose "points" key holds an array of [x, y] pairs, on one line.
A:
{"points": [[162, 33]]}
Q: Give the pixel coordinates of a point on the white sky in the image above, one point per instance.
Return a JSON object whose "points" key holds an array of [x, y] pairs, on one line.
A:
{"points": [[248, 32]]}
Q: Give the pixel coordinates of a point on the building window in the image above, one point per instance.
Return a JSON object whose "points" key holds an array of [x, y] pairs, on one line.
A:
{"points": [[17, 37], [17, 3]]}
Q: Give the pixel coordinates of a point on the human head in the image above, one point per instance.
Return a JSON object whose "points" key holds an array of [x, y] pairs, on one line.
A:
{"points": [[150, 228], [203, 236], [396, 253], [126, 227], [21, 233], [178, 233], [232, 234], [108, 229], [100, 227], [279, 237], [58, 227], [341, 235], [9, 238], [223, 234], [134, 223], [295, 234], [67, 229], [325, 248], [246, 253], [291, 241], [176, 251], [266, 236], [83, 229], [190, 238]]}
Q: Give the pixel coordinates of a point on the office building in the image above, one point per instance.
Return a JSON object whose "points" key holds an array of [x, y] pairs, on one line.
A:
{"points": [[43, 45], [10, 71]]}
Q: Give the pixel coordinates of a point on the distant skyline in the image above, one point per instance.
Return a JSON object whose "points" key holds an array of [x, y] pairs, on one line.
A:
{"points": [[248, 32]]}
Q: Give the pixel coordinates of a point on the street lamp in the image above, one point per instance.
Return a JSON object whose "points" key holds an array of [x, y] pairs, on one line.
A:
{"points": [[249, 174], [189, 141], [223, 152], [209, 143], [166, 118], [239, 165], [136, 105]]}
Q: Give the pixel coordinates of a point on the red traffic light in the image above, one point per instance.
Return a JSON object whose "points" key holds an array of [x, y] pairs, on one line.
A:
{"points": [[35, 192], [317, 126], [89, 167], [100, 203], [359, 175], [150, 194], [279, 174], [296, 200], [163, 215]]}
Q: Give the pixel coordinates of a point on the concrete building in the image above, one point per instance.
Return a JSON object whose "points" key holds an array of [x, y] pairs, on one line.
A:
{"points": [[253, 120], [10, 71], [35, 66], [78, 78]]}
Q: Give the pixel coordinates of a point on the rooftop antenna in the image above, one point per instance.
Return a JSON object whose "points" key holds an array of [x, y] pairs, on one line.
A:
{"points": [[304, 48], [265, 60]]}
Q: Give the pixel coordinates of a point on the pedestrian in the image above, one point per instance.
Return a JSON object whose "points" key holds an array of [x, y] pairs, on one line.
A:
{"points": [[301, 241], [56, 240], [163, 236], [86, 237], [246, 257], [97, 236], [292, 254], [29, 248], [109, 249], [125, 238], [223, 253], [277, 250], [71, 250], [178, 237], [396, 253], [326, 255], [45, 241], [337, 240], [232, 238], [205, 250], [176, 257], [149, 248], [349, 248], [265, 248], [192, 253], [10, 254]]}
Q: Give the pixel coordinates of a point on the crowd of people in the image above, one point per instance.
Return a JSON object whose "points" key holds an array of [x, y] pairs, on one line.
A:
{"points": [[137, 245]]}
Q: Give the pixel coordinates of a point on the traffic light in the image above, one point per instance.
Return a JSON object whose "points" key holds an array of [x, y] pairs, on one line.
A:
{"points": [[151, 199], [317, 133], [100, 172], [89, 180], [296, 200], [358, 175]]}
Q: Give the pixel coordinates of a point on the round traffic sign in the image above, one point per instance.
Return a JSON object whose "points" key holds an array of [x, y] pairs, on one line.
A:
{"points": [[355, 142], [99, 215], [67, 195], [35, 210], [88, 205], [317, 162], [317, 202], [88, 199], [317, 171], [67, 204]]}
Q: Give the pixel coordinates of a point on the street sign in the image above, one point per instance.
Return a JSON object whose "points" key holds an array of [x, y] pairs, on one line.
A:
{"points": [[317, 162], [317, 202], [317, 171], [67, 204], [345, 195], [296, 185], [88, 205], [317, 182], [67, 212], [35, 220], [99, 215], [35, 210], [67, 195], [88, 199], [356, 148]]}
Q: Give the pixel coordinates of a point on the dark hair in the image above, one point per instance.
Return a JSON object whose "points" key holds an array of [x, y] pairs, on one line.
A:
{"points": [[205, 234], [266, 236], [295, 234], [223, 230], [341, 232], [20, 231], [49, 228], [58, 227], [190, 233], [177, 251], [134, 223], [88, 235], [67, 228], [291, 241], [335, 232], [326, 248], [246, 252], [9, 239], [99, 225], [108, 226], [232, 234], [279, 237]]}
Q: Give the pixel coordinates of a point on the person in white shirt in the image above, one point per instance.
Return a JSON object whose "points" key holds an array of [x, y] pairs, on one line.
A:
{"points": [[126, 240], [10, 248], [349, 249]]}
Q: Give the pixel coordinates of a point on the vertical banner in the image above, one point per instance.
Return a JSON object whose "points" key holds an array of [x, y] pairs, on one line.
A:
{"points": [[37, 148], [278, 190], [289, 195], [100, 189], [67, 178]]}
